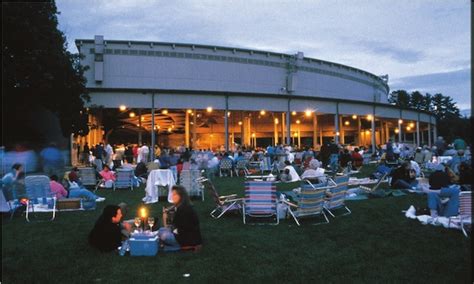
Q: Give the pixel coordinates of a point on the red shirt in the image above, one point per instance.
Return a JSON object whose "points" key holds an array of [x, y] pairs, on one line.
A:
{"points": [[58, 189]]}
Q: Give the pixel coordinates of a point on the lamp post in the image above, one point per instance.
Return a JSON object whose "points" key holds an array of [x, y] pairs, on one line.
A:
{"points": [[152, 150]]}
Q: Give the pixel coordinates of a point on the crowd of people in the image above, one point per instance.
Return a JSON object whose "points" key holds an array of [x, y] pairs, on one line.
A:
{"points": [[449, 164]]}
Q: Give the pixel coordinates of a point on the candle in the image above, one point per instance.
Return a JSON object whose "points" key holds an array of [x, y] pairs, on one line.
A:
{"points": [[143, 212]]}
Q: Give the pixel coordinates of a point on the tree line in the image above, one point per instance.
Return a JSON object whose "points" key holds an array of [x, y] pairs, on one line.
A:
{"points": [[450, 123]]}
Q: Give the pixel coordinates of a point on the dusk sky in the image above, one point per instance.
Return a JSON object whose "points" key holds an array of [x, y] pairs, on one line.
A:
{"points": [[421, 45]]}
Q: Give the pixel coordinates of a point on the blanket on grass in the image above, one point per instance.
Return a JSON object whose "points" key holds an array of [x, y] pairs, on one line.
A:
{"points": [[448, 223]]}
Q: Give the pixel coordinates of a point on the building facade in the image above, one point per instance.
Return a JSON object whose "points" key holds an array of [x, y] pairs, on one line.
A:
{"points": [[212, 96]]}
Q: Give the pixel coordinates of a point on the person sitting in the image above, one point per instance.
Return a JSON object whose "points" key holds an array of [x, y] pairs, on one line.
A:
{"points": [[153, 165], [106, 234], [357, 159], [443, 199], [108, 176], [314, 172], [465, 173], [184, 231], [73, 176], [403, 177], [344, 158], [12, 180], [141, 170], [57, 189], [290, 172]]}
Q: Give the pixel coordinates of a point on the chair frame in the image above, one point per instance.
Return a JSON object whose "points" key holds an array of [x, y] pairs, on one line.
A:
{"points": [[242, 166], [224, 203], [244, 214], [31, 196], [97, 181], [230, 170], [327, 206], [117, 177], [465, 207], [321, 190]]}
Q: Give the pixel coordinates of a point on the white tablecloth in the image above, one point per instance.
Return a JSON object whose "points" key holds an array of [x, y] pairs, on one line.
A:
{"points": [[155, 178]]}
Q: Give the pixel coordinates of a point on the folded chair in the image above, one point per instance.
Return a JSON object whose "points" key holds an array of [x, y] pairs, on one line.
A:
{"points": [[225, 203], [260, 200], [376, 186], [310, 202], [38, 191], [89, 177], [337, 196], [124, 179], [225, 166]]}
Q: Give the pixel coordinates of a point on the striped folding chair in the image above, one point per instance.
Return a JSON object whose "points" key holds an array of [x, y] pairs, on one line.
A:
{"points": [[38, 191], [260, 200], [88, 177], [337, 196], [465, 209], [224, 203], [124, 179]]}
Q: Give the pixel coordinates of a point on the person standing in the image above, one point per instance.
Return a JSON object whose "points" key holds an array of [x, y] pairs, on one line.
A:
{"points": [[440, 145], [109, 153], [85, 154], [144, 152], [334, 156], [52, 160]]}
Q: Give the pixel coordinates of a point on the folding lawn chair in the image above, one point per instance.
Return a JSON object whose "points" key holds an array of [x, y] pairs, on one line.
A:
{"points": [[189, 179], [225, 166], [241, 166], [12, 198], [225, 203], [310, 202], [260, 200], [124, 179], [337, 196], [376, 186], [89, 177], [38, 191], [465, 209]]}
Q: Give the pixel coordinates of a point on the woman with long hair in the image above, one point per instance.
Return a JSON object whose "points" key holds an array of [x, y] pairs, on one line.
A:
{"points": [[106, 235], [184, 230]]}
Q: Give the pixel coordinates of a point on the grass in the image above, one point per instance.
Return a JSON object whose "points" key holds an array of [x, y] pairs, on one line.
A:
{"points": [[375, 244]]}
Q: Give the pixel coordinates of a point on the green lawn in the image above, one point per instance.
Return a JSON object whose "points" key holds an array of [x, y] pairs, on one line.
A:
{"points": [[375, 244]]}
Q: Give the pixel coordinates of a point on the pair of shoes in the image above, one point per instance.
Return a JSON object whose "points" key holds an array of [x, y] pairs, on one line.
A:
{"points": [[100, 199], [410, 213]]}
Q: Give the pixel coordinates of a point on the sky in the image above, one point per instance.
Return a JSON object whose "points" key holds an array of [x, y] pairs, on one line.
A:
{"points": [[422, 45]]}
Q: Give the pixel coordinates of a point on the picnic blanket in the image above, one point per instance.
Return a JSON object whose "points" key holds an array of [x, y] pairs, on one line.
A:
{"points": [[448, 223]]}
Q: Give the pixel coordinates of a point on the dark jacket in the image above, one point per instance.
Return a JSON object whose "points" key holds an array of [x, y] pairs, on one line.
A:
{"points": [[439, 179], [105, 236], [400, 173], [187, 222]]}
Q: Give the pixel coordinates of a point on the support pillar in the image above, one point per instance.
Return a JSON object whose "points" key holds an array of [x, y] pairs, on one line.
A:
{"points": [[275, 130], [194, 129], [186, 129], [429, 133], [283, 123], [399, 130], [226, 124], [152, 150], [315, 130], [336, 124], [288, 124], [139, 127], [373, 130], [359, 131], [341, 131]]}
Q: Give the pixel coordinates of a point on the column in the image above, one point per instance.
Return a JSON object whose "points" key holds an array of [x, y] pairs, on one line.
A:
{"points": [[186, 129], [288, 124], [152, 150], [359, 131], [315, 130], [139, 126], [387, 132], [194, 129], [226, 124], [373, 130], [275, 130], [418, 133], [336, 124], [283, 123], [429, 133], [242, 128], [435, 132], [299, 136], [422, 141], [400, 130], [341, 130]]}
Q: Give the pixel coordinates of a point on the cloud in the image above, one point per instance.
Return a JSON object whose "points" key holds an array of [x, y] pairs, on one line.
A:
{"points": [[405, 39]]}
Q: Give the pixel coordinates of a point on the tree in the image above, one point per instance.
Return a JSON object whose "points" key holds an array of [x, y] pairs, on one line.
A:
{"points": [[38, 72], [400, 98]]}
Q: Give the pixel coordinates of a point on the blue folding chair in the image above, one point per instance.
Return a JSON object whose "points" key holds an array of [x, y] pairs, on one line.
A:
{"points": [[124, 179], [38, 191], [337, 196]]}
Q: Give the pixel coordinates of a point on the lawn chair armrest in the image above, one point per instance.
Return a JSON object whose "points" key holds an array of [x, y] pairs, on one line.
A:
{"points": [[289, 203], [233, 200], [227, 196]]}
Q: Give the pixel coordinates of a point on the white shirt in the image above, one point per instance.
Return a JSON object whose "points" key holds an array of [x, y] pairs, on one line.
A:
{"points": [[294, 175]]}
